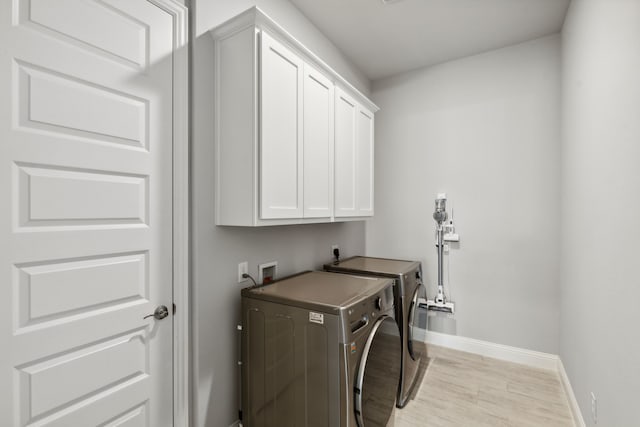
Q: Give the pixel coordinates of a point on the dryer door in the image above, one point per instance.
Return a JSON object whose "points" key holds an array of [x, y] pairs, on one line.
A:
{"points": [[416, 334], [378, 375]]}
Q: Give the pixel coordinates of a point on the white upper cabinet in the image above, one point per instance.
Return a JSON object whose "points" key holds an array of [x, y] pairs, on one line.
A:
{"points": [[290, 147], [353, 157]]}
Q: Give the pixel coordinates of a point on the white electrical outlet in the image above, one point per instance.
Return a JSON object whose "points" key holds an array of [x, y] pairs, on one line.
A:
{"points": [[594, 408], [243, 268], [334, 247]]}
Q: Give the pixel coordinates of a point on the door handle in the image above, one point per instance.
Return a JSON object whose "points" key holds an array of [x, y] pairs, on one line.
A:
{"points": [[160, 312]]}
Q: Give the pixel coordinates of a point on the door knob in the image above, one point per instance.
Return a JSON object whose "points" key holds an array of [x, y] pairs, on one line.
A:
{"points": [[160, 312]]}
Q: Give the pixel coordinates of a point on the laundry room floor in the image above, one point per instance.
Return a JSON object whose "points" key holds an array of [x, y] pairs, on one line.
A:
{"points": [[463, 390]]}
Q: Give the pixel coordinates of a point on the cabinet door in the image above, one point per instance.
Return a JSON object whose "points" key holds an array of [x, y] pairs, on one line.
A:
{"points": [[353, 157], [345, 155], [318, 144], [281, 131], [364, 162]]}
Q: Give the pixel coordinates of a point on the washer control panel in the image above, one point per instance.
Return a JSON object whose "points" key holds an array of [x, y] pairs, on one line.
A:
{"points": [[364, 314]]}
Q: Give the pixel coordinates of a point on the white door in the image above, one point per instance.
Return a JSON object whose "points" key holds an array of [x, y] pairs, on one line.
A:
{"points": [[364, 163], [86, 217], [318, 144], [353, 157], [281, 135], [345, 155]]}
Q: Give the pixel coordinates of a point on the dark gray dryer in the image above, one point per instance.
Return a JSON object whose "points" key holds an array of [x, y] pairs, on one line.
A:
{"points": [[408, 288], [319, 349]]}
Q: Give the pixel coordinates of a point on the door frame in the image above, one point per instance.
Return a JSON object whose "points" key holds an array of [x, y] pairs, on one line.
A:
{"points": [[181, 342]]}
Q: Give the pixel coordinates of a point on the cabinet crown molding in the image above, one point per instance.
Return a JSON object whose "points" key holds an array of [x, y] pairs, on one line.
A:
{"points": [[256, 17]]}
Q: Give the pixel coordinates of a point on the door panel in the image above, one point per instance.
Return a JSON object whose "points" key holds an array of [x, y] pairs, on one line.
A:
{"points": [[54, 196], [364, 168], [353, 158], [86, 22], [345, 155], [110, 362], [318, 144], [85, 175], [55, 290], [281, 139], [80, 108]]}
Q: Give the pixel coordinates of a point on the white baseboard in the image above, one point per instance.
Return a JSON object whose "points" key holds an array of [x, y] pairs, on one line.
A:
{"points": [[497, 351], [578, 421], [236, 424]]}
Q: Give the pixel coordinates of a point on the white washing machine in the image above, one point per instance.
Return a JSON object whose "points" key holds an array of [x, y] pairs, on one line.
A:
{"points": [[408, 288], [316, 351]]}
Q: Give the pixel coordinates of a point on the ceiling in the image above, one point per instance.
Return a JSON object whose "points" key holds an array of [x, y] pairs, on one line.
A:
{"points": [[401, 35]]}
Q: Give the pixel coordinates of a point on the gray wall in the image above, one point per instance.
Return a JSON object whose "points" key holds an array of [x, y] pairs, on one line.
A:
{"points": [[600, 314], [485, 130], [216, 251]]}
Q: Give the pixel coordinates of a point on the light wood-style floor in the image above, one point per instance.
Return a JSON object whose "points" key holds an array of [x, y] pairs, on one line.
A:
{"points": [[466, 390]]}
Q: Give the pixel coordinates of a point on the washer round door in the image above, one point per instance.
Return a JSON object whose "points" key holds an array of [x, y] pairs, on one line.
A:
{"points": [[415, 334], [378, 374]]}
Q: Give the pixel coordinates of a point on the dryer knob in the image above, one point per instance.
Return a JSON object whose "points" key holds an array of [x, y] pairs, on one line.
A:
{"points": [[379, 303]]}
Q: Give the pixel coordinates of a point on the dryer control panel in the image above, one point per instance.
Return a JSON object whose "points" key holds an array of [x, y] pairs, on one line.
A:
{"points": [[361, 316]]}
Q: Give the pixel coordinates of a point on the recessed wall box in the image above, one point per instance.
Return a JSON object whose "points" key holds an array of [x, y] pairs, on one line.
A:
{"points": [[267, 272]]}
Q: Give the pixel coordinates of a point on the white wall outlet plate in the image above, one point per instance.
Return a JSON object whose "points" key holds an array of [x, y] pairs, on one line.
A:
{"points": [[243, 268]]}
